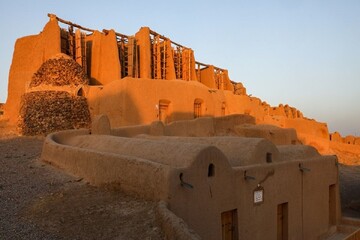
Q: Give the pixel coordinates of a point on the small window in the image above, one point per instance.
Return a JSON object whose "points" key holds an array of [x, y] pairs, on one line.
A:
{"points": [[211, 170], [268, 157]]}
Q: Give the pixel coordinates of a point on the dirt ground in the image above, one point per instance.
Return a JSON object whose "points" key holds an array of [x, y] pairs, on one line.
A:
{"points": [[38, 201]]}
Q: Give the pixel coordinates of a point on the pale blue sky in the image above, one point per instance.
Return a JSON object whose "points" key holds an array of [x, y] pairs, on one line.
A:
{"points": [[304, 53]]}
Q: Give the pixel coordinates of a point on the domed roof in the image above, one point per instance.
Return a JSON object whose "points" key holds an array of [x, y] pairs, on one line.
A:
{"points": [[59, 71]]}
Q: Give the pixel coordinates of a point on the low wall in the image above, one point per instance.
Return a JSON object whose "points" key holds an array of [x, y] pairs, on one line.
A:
{"points": [[131, 131], [173, 226], [199, 127], [102, 168]]}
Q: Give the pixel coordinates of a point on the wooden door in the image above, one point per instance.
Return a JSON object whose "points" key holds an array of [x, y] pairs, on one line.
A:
{"points": [[332, 205], [229, 225], [282, 221]]}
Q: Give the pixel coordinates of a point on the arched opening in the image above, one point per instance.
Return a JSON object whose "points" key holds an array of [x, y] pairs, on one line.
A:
{"points": [[80, 92], [268, 157], [164, 110], [223, 109], [211, 170], [198, 105]]}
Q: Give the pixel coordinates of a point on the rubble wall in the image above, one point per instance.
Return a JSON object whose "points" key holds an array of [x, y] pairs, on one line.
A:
{"points": [[44, 112]]}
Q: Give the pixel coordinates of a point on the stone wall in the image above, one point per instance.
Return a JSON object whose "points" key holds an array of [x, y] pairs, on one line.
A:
{"points": [[44, 112]]}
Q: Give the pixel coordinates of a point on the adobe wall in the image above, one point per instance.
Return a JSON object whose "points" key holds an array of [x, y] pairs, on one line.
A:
{"points": [[311, 133], [177, 170], [189, 62], [277, 135], [136, 101], [173, 226], [100, 168], [143, 41], [105, 65], [239, 151], [348, 154], [243, 104], [207, 77], [29, 53], [133, 101], [336, 137], [228, 190], [347, 148], [349, 139]]}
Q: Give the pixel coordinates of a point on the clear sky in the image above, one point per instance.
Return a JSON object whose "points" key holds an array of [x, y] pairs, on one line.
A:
{"points": [[303, 53]]}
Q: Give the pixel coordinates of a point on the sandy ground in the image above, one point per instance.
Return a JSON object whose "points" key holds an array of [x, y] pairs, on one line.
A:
{"points": [[38, 201]]}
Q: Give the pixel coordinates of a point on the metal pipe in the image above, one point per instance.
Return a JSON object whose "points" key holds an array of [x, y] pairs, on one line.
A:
{"points": [[247, 177], [185, 184], [303, 169]]}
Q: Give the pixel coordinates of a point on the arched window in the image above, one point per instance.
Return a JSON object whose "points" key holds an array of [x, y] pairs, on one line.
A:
{"points": [[211, 170], [80, 92], [198, 105], [164, 110], [268, 157], [223, 109]]}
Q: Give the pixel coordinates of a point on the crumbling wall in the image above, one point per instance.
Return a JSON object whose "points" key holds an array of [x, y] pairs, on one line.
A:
{"points": [[44, 112], [349, 140], [239, 89], [336, 137]]}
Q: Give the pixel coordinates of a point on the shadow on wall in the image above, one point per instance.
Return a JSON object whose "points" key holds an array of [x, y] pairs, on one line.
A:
{"points": [[127, 108]]}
